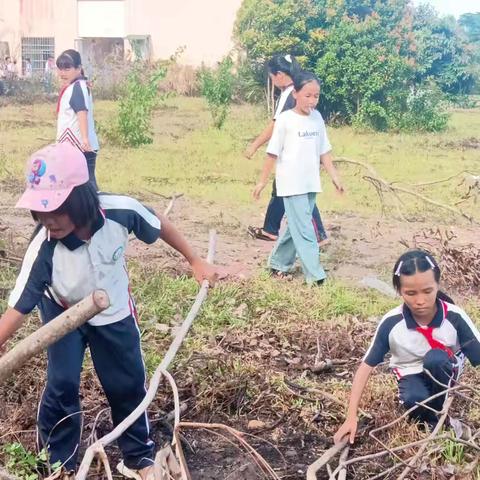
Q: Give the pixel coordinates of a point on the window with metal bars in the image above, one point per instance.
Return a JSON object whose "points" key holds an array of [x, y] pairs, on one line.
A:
{"points": [[37, 49]]}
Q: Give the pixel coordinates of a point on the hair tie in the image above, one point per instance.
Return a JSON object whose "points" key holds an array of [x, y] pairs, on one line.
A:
{"points": [[429, 260], [288, 58], [397, 271]]}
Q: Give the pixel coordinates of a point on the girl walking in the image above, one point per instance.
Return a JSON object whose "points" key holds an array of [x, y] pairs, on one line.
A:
{"points": [[298, 145], [426, 333], [75, 122], [281, 70], [79, 247]]}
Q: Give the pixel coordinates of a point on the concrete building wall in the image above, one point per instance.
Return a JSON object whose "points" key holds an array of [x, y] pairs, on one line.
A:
{"points": [[203, 27]]}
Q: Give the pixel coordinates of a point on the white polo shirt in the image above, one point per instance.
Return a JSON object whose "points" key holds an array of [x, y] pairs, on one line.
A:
{"points": [[69, 269], [298, 141], [75, 98], [399, 334]]}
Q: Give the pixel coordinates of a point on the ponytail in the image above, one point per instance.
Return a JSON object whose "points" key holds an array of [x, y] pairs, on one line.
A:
{"points": [[286, 64]]}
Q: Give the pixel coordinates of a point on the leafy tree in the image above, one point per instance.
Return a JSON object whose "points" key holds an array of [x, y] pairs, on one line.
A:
{"points": [[379, 60], [471, 24]]}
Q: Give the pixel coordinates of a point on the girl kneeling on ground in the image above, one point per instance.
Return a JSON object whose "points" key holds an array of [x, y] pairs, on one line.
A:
{"points": [[79, 247], [427, 333], [298, 145]]}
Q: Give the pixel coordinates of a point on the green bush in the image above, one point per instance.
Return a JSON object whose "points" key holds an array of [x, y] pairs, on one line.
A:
{"points": [[138, 99], [217, 88]]}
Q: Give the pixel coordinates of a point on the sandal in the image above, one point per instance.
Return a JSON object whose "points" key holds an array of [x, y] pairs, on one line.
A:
{"points": [[280, 274], [258, 233]]}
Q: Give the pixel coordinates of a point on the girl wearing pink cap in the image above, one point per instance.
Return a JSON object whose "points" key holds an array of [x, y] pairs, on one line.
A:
{"points": [[78, 247]]}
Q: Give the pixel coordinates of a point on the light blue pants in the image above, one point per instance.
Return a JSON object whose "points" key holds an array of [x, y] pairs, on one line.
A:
{"points": [[299, 238]]}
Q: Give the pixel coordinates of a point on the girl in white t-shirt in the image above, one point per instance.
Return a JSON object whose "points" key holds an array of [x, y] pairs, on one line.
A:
{"points": [[281, 70], [298, 144]]}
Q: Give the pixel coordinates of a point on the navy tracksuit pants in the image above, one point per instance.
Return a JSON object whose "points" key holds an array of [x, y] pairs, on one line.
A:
{"points": [[117, 358], [418, 387], [276, 211]]}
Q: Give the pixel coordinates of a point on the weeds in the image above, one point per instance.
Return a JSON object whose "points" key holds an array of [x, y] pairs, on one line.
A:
{"points": [[24, 464]]}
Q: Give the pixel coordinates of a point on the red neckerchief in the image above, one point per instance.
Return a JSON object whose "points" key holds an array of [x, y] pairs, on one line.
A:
{"points": [[428, 334]]}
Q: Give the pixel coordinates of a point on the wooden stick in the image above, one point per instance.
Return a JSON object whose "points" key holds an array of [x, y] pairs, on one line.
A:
{"points": [[432, 436], [52, 331], [172, 202], [342, 474], [325, 458], [157, 376]]}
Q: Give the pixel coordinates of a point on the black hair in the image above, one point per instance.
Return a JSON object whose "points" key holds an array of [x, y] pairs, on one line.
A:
{"points": [[82, 206], [303, 78], [414, 261], [283, 63], [69, 59]]}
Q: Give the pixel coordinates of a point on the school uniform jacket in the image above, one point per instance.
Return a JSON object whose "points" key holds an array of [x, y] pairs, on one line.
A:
{"points": [[69, 269], [451, 330]]}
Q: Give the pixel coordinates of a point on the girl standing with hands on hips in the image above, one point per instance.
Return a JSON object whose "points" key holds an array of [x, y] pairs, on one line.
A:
{"points": [[281, 70], [298, 145], [75, 122]]}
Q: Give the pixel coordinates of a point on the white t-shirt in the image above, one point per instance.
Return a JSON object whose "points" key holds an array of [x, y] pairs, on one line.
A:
{"points": [[282, 100], [298, 141]]}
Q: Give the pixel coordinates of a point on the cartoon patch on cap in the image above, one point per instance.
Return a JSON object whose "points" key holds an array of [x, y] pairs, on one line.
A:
{"points": [[39, 167]]}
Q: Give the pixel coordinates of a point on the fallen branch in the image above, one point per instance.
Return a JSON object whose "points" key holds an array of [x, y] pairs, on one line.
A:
{"points": [[342, 474], [431, 437], [382, 185], [172, 202], [157, 376], [52, 331], [324, 459]]}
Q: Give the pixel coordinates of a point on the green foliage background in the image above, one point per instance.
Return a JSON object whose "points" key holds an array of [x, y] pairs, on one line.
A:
{"points": [[383, 64]]}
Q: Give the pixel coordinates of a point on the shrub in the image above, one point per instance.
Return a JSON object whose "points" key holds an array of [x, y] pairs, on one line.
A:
{"points": [[217, 88], [137, 102]]}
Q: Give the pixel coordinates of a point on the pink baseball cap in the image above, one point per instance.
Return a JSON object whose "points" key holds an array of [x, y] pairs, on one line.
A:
{"points": [[52, 174]]}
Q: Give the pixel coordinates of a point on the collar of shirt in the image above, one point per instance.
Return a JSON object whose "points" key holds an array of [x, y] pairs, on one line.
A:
{"points": [[72, 242], [435, 323]]}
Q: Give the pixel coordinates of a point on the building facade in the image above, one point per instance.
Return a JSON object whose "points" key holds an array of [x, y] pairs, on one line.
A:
{"points": [[36, 29]]}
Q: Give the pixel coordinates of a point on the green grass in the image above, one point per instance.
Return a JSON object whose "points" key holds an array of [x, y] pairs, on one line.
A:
{"points": [[190, 156]]}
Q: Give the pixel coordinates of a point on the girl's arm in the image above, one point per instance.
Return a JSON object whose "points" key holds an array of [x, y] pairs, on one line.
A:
{"points": [[327, 161], [202, 270], [264, 177], [83, 124], [349, 427], [262, 139], [10, 322]]}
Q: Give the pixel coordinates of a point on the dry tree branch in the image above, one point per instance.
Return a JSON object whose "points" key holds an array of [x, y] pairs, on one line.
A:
{"points": [[382, 185], [157, 376], [324, 459], [172, 202], [52, 331], [431, 437]]}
